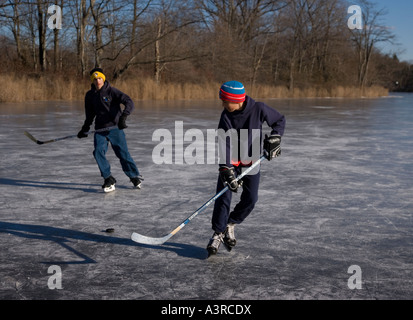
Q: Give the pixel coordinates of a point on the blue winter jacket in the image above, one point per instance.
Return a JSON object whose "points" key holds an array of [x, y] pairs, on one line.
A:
{"points": [[251, 117]]}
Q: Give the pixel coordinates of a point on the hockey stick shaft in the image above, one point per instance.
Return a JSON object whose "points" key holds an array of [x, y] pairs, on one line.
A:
{"points": [[158, 241], [30, 136]]}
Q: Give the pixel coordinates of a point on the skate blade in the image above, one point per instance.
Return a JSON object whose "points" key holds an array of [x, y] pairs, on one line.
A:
{"points": [[228, 246], [212, 253], [109, 189]]}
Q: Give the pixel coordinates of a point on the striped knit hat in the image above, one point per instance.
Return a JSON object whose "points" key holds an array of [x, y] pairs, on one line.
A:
{"points": [[232, 91]]}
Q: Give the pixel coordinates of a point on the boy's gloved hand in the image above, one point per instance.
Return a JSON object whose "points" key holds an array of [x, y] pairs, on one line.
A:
{"points": [[122, 122], [272, 146], [82, 132], [227, 176]]}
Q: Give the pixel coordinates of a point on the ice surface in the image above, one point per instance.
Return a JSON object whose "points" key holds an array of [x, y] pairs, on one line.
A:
{"points": [[340, 195]]}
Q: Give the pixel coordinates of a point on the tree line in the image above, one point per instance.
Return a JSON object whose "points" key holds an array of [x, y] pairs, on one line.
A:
{"points": [[294, 43]]}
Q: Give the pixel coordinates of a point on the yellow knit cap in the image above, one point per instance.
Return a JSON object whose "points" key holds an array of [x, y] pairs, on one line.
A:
{"points": [[96, 75]]}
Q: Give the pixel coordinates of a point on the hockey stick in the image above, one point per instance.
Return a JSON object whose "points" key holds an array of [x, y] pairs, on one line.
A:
{"points": [[27, 134], [158, 241]]}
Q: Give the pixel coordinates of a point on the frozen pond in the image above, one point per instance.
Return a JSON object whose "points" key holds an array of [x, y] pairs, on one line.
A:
{"points": [[334, 214]]}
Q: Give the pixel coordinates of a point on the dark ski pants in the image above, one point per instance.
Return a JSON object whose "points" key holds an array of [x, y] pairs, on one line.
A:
{"points": [[117, 140], [222, 216]]}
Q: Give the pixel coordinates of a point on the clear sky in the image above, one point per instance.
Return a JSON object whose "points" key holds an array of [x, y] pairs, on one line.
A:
{"points": [[400, 20]]}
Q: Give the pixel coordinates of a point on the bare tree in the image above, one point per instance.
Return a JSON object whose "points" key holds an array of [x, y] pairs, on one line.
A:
{"points": [[157, 65], [57, 63], [41, 29], [365, 40], [80, 16], [98, 10], [241, 29], [169, 20], [14, 15], [294, 43]]}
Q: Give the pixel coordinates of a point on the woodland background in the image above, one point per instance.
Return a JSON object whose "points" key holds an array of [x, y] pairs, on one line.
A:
{"points": [[164, 49]]}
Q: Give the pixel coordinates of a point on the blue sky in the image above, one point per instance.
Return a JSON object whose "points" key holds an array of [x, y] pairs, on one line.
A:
{"points": [[400, 19]]}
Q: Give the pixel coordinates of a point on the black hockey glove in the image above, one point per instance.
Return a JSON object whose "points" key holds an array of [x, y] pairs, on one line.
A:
{"points": [[272, 146], [227, 176], [82, 132], [122, 122]]}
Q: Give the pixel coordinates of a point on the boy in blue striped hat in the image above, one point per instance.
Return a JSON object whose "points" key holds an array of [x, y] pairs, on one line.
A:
{"points": [[241, 113]]}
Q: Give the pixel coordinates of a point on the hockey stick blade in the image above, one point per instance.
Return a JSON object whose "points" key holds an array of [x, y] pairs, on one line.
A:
{"points": [[159, 241], [28, 135], [149, 240]]}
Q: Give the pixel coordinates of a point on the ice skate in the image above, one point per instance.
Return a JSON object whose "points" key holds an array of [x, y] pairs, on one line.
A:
{"points": [[109, 184], [229, 237], [214, 243], [137, 182]]}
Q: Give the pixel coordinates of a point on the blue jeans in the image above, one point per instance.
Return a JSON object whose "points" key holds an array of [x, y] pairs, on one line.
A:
{"points": [[249, 197], [117, 140]]}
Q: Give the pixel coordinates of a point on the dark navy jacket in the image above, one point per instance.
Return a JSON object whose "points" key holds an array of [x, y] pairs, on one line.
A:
{"points": [[252, 116], [104, 105]]}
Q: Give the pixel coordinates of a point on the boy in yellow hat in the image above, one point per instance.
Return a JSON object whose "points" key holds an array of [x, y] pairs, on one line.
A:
{"points": [[103, 106]]}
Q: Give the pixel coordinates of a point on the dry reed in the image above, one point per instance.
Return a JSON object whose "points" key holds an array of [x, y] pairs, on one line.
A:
{"points": [[28, 88]]}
